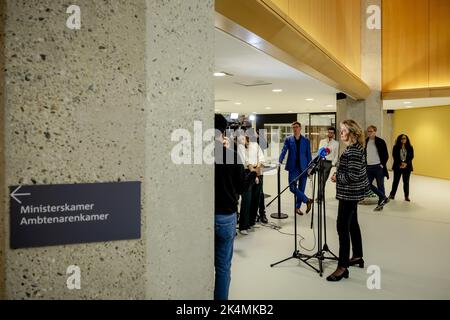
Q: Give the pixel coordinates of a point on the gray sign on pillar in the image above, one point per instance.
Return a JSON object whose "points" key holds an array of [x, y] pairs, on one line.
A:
{"points": [[49, 215]]}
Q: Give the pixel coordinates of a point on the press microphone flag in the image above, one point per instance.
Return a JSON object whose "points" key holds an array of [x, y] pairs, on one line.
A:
{"points": [[321, 154]]}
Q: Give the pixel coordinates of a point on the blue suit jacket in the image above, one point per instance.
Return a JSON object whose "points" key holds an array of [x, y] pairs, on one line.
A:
{"points": [[291, 146]]}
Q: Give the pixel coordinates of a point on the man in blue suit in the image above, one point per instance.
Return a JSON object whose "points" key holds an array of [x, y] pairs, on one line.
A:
{"points": [[298, 159]]}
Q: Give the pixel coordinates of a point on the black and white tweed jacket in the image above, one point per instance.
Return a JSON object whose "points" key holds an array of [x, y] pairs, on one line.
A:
{"points": [[352, 183]]}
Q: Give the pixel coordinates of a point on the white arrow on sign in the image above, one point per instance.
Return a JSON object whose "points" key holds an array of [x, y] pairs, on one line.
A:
{"points": [[14, 194]]}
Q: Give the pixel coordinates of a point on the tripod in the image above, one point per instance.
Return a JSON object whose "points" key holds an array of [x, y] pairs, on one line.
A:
{"points": [[322, 246], [321, 221]]}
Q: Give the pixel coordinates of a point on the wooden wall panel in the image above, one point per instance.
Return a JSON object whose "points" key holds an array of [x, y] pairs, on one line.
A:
{"points": [[283, 5], [405, 50], [334, 24], [264, 26], [439, 43]]}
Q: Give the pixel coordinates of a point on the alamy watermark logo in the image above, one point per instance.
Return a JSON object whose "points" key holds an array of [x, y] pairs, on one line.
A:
{"points": [[374, 20], [202, 146], [74, 21], [74, 280], [374, 280]]}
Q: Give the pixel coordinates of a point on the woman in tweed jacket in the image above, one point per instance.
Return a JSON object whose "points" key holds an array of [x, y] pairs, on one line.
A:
{"points": [[352, 185]]}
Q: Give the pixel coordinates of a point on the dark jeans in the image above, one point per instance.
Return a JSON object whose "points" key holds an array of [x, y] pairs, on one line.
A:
{"points": [[348, 228], [406, 175], [300, 191], [224, 233], [376, 172]]}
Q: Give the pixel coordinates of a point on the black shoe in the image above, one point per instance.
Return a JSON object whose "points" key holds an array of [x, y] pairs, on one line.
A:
{"points": [[378, 208], [338, 278], [263, 219], [391, 197], [384, 201], [407, 199], [309, 204], [359, 262]]}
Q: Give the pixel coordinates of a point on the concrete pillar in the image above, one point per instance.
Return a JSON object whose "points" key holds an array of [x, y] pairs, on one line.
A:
{"points": [[180, 199], [98, 105], [2, 149], [371, 73], [371, 112], [347, 108], [371, 67]]}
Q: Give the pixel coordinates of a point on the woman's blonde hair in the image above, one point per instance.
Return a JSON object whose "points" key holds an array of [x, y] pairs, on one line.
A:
{"points": [[355, 131]]}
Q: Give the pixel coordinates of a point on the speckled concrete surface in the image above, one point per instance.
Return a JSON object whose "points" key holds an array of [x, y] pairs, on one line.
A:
{"points": [[180, 89], [2, 155], [75, 113]]}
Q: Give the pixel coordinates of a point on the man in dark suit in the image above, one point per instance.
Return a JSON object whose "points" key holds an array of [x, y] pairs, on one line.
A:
{"points": [[377, 157], [298, 159]]}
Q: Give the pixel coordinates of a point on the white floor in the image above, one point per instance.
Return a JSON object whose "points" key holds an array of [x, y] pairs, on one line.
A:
{"points": [[410, 242]]}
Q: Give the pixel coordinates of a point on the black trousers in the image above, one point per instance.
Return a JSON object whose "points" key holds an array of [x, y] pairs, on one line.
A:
{"points": [[406, 175], [249, 206], [327, 165], [262, 205], [348, 229]]}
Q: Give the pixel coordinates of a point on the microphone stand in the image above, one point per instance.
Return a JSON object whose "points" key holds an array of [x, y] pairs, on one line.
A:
{"points": [[322, 246], [316, 166], [296, 254]]}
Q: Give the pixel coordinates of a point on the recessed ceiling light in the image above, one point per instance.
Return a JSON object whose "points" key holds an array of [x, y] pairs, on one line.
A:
{"points": [[277, 90], [238, 103], [329, 106], [219, 74], [268, 108], [407, 102], [309, 99]]}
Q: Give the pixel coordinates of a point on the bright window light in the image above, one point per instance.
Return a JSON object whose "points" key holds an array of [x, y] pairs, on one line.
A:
{"points": [[234, 116]]}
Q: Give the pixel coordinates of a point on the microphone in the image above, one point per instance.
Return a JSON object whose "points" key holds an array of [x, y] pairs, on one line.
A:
{"points": [[321, 154]]}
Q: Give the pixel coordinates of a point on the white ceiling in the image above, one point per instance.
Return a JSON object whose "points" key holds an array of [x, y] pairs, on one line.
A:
{"points": [[249, 65], [415, 103]]}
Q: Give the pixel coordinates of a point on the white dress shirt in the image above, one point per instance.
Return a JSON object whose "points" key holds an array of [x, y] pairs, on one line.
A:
{"points": [[333, 145]]}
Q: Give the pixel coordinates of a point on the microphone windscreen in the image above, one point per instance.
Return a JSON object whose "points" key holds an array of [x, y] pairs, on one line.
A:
{"points": [[322, 152]]}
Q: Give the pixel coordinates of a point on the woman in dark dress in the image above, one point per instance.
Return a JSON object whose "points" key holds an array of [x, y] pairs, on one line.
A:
{"points": [[403, 154]]}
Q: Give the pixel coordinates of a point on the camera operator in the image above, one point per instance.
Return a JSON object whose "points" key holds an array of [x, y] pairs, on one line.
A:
{"points": [[231, 180]]}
